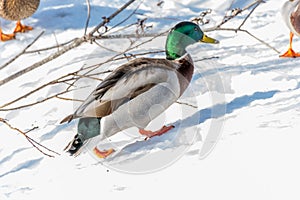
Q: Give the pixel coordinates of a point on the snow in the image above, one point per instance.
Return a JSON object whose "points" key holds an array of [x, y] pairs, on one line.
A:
{"points": [[240, 143]]}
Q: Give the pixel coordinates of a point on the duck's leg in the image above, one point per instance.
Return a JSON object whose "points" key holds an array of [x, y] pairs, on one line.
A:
{"points": [[290, 53], [103, 154], [151, 134], [5, 37], [20, 28]]}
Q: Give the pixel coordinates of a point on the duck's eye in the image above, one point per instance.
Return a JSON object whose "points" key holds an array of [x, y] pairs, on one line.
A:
{"points": [[196, 29]]}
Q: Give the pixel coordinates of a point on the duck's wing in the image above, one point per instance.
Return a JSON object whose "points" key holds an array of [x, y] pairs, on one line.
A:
{"points": [[295, 19], [290, 12], [123, 84], [129, 69]]}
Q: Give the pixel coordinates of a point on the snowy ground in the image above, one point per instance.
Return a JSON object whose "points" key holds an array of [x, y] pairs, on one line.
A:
{"points": [[256, 154]]}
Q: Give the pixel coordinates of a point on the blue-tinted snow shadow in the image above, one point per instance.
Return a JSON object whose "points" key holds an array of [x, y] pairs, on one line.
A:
{"points": [[19, 190], [165, 141], [67, 15], [51, 134], [30, 164], [221, 110], [275, 65], [9, 157], [74, 17]]}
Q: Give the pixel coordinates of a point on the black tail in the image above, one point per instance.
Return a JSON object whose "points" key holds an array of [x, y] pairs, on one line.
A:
{"points": [[68, 119]]}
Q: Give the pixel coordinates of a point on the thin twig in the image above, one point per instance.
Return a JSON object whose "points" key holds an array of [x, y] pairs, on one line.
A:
{"points": [[34, 143], [22, 52], [36, 89], [208, 58], [102, 37], [69, 99], [103, 47], [252, 10], [125, 19], [187, 104], [226, 19], [88, 16], [250, 34], [57, 43], [108, 19], [126, 36], [260, 40], [254, 5], [50, 48], [74, 44], [39, 101]]}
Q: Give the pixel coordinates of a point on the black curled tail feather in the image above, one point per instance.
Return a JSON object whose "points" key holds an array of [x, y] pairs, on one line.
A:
{"points": [[68, 119]]}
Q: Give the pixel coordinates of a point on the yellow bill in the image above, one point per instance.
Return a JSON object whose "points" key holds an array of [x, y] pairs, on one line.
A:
{"points": [[207, 39]]}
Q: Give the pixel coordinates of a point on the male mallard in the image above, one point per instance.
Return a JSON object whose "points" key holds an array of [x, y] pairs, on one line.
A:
{"points": [[16, 10], [129, 96], [291, 15]]}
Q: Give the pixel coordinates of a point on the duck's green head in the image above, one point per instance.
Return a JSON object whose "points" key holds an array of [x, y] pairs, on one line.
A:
{"points": [[182, 35]]}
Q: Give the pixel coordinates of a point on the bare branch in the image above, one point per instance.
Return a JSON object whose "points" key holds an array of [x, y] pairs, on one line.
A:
{"points": [[69, 99], [253, 9], [23, 51], [34, 143], [250, 34], [106, 20], [88, 16], [74, 44], [124, 20], [37, 89], [50, 48], [187, 104], [260, 40], [236, 12], [37, 102]]}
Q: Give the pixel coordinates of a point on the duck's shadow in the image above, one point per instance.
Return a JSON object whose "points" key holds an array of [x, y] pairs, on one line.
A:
{"points": [[166, 141]]}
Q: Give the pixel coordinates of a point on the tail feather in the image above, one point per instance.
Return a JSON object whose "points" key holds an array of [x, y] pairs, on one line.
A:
{"points": [[68, 119]]}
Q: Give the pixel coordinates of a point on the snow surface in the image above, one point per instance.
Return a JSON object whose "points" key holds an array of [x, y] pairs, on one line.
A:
{"points": [[248, 102]]}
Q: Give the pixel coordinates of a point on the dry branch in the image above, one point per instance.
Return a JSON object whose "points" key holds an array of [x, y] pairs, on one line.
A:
{"points": [[34, 143], [22, 52], [236, 12], [88, 16]]}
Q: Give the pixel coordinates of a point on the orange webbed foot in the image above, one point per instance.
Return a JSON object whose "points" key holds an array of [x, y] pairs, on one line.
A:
{"points": [[102, 154], [5, 37], [290, 53], [161, 131], [20, 28]]}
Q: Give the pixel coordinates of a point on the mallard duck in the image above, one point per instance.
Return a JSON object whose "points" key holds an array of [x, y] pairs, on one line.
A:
{"points": [[124, 99], [291, 15], [17, 10]]}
